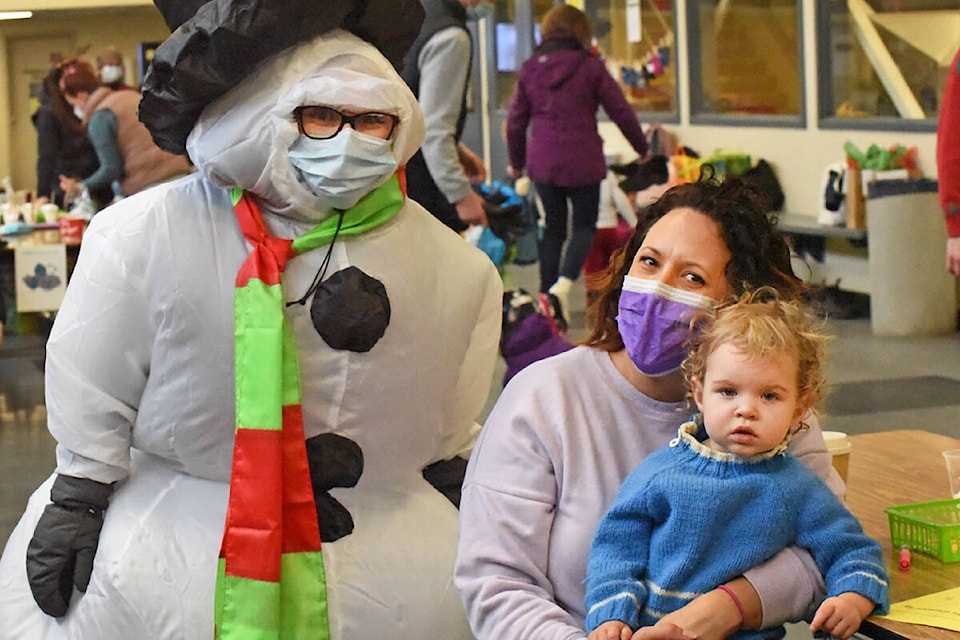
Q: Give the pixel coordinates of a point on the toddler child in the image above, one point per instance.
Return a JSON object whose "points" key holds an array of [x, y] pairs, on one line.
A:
{"points": [[724, 496]]}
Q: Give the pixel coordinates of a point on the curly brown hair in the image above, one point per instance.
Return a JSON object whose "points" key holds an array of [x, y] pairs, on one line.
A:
{"points": [[759, 255], [761, 323]]}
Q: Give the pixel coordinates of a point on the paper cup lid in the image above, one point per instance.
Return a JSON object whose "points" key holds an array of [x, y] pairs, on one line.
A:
{"points": [[837, 442]]}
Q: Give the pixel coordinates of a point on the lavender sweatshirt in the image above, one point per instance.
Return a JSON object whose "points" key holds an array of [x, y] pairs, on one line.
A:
{"points": [[562, 438]]}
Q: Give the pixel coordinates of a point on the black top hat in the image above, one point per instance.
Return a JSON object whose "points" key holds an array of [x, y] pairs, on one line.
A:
{"points": [[215, 44]]}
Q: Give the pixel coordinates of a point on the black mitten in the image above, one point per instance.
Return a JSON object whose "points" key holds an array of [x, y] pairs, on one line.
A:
{"points": [[60, 554], [334, 461], [446, 476]]}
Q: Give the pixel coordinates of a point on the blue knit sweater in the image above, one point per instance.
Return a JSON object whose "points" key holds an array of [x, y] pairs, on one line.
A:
{"points": [[688, 519]]}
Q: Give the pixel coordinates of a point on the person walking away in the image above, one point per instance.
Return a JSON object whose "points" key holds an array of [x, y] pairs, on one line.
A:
{"points": [[437, 70], [559, 90]]}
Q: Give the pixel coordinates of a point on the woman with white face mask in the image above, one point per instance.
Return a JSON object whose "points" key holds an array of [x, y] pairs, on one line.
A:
{"points": [[269, 354], [568, 430]]}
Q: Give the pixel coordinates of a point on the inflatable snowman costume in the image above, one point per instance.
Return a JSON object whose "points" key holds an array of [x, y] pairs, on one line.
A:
{"points": [[141, 389]]}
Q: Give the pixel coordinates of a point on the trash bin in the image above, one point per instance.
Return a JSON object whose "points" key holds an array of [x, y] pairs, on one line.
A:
{"points": [[911, 293]]}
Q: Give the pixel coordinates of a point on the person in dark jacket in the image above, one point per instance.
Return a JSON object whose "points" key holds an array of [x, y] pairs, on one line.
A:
{"points": [[63, 147], [559, 90], [437, 70]]}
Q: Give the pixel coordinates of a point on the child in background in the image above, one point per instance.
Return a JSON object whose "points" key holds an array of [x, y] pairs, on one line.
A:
{"points": [[724, 496], [623, 200], [615, 223]]}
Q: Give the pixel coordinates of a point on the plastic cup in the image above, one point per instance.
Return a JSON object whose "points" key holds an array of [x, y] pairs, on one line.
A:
{"points": [[839, 447], [71, 229], [952, 458]]}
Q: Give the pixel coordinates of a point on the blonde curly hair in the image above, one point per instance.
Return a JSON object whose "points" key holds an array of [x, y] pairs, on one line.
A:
{"points": [[761, 323]]}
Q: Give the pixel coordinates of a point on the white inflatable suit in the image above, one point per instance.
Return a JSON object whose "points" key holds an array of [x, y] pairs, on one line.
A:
{"points": [[140, 381]]}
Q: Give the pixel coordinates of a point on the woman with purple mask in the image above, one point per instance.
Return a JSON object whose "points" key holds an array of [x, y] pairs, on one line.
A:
{"points": [[568, 430]]}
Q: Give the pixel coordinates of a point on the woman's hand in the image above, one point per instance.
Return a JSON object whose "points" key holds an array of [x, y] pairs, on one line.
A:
{"points": [[472, 164], [715, 615], [69, 186]]}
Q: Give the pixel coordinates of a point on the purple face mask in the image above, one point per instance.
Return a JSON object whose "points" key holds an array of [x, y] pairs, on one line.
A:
{"points": [[654, 322]]}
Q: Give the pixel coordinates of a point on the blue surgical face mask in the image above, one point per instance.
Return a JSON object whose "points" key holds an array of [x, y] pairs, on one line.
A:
{"points": [[654, 323], [342, 169], [481, 11]]}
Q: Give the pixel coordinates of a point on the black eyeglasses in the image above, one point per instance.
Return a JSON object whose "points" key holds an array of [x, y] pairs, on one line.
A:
{"points": [[322, 123]]}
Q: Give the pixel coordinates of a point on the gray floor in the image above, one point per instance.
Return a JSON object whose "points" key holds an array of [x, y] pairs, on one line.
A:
{"points": [[878, 384]]}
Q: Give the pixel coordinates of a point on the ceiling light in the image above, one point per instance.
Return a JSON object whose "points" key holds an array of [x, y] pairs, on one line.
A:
{"points": [[15, 15]]}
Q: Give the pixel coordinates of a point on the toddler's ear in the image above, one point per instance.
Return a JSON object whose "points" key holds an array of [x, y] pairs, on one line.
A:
{"points": [[803, 408]]}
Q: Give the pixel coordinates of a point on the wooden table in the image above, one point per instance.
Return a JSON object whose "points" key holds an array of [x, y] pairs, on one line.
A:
{"points": [[894, 468]]}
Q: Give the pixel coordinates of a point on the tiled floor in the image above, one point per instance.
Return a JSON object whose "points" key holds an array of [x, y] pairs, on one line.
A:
{"points": [[878, 384]]}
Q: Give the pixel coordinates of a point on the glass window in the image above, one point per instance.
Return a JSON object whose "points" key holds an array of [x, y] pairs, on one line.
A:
{"points": [[746, 61], [883, 63], [636, 37]]}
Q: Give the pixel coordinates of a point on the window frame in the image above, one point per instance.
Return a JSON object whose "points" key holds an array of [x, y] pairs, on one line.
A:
{"points": [[699, 115], [826, 119]]}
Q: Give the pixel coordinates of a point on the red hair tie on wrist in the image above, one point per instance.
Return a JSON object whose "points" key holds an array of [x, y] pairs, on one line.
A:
{"points": [[727, 590]]}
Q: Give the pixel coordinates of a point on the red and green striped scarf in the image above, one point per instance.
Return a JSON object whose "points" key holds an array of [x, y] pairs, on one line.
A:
{"points": [[270, 581]]}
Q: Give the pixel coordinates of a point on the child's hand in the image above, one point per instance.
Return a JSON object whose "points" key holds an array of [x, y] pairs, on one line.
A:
{"points": [[841, 615], [663, 630], [611, 630]]}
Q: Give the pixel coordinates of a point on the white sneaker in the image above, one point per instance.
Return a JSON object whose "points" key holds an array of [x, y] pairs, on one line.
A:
{"points": [[561, 289]]}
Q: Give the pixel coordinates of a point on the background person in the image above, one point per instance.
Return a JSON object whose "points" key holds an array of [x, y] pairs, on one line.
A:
{"points": [[948, 163], [63, 147], [129, 159], [110, 67], [566, 432], [726, 488], [437, 69], [558, 92]]}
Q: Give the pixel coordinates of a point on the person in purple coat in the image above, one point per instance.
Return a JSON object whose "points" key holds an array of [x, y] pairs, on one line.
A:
{"points": [[559, 90]]}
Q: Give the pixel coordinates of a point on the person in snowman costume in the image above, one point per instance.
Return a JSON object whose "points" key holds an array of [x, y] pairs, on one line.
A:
{"points": [[275, 350]]}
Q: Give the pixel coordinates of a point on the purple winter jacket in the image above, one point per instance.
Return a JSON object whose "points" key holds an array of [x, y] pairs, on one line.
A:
{"points": [[558, 94]]}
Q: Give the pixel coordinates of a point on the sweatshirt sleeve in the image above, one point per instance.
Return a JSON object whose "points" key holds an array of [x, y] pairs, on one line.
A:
{"points": [[102, 129], [790, 585], [444, 68], [507, 513], [948, 149], [620, 111]]}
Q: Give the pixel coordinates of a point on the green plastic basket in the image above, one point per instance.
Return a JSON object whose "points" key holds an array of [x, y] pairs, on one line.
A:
{"points": [[929, 527]]}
